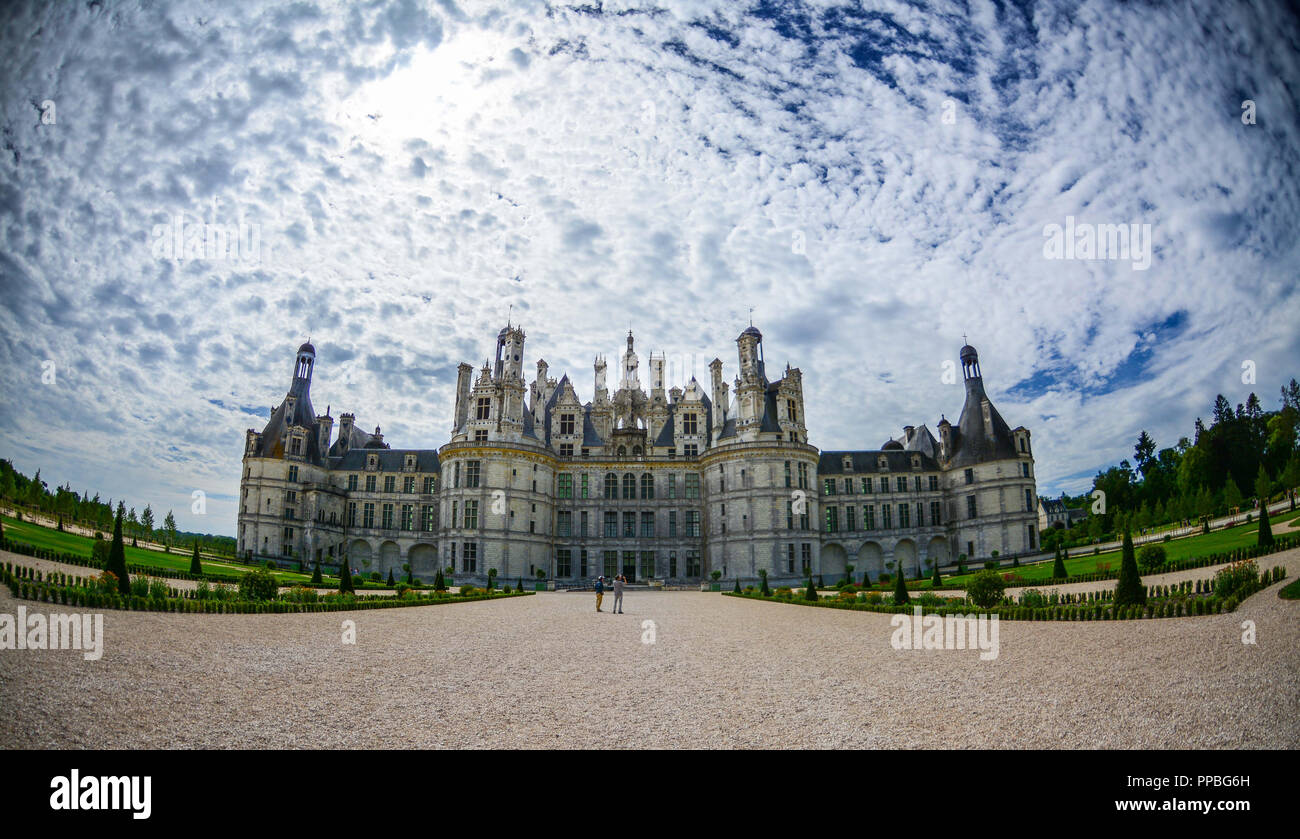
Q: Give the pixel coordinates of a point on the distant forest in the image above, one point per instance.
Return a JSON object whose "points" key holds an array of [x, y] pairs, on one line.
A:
{"points": [[64, 503], [1244, 453]]}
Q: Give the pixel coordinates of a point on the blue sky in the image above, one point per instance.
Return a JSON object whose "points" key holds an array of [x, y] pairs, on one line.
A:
{"points": [[874, 180]]}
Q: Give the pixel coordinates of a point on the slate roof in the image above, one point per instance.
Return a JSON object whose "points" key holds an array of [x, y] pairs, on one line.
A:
{"points": [[971, 445], [832, 463], [390, 460], [281, 419]]}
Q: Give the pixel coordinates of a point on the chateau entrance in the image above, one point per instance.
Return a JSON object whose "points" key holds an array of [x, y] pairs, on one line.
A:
{"points": [[629, 566]]}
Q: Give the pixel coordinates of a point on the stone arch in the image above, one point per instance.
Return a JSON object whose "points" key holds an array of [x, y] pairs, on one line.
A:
{"points": [[936, 552], [905, 558], [871, 560], [358, 555], [424, 561], [390, 559], [834, 560]]}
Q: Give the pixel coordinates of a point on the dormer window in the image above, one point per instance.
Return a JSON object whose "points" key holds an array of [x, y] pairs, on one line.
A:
{"points": [[847, 462], [372, 462], [410, 463], [883, 463], [566, 423], [483, 409], [916, 461]]}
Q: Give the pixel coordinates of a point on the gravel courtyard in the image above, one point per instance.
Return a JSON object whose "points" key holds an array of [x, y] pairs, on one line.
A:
{"points": [[549, 672]]}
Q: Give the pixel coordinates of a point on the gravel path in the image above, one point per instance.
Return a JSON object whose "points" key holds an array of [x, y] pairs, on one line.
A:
{"points": [[548, 671]]}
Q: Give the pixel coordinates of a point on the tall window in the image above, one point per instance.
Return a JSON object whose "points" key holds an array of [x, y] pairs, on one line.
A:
{"points": [[352, 514], [390, 483], [647, 485], [368, 515], [647, 567], [408, 483], [586, 485], [386, 520], [692, 485], [970, 506], [564, 524], [611, 485], [789, 480], [427, 517], [672, 522], [566, 423], [866, 486], [293, 474], [904, 515], [1029, 499], [693, 564], [471, 515], [483, 410], [648, 524], [672, 486], [934, 514], [848, 486], [850, 519], [610, 561], [832, 519], [408, 516], [828, 486], [916, 483], [565, 486], [884, 485], [869, 517], [430, 482], [886, 514], [629, 485], [469, 559], [790, 558], [611, 524], [805, 557], [789, 515], [582, 525], [629, 525], [370, 483], [352, 483], [934, 483], [803, 476], [471, 473], [563, 562], [690, 424], [900, 483], [970, 476], [692, 523]]}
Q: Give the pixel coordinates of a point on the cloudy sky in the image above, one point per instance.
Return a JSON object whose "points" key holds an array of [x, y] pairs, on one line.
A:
{"points": [[874, 180]]}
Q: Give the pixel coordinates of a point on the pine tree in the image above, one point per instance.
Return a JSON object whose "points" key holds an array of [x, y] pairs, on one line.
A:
{"points": [[196, 567], [900, 586], [1129, 590], [345, 578], [117, 558], [1058, 570], [316, 577]]}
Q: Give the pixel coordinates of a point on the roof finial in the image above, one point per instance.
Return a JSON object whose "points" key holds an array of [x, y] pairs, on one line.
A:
{"points": [[963, 338], [751, 315], [509, 311]]}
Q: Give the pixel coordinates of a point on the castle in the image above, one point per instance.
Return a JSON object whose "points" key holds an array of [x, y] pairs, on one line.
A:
{"points": [[671, 485]]}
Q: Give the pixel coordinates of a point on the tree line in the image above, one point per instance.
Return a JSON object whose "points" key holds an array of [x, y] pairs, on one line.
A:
{"points": [[1244, 454], [66, 505]]}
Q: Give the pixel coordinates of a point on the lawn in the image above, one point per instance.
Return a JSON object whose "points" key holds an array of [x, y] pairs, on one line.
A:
{"points": [[1217, 541], [179, 560]]}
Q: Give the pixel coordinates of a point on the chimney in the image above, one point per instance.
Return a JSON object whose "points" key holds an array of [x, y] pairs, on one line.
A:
{"points": [[719, 395], [463, 373], [345, 430]]}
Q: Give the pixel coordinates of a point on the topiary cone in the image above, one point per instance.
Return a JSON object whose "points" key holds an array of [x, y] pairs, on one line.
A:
{"points": [[1128, 588], [1265, 529], [900, 587]]}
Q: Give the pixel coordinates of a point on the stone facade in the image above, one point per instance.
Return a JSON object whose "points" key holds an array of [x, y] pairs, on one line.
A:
{"points": [[669, 484]]}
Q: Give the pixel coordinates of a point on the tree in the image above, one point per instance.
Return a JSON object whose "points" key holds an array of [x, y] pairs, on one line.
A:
{"points": [[1231, 495], [117, 557], [1128, 588], [146, 521], [986, 589], [736, 590], [196, 566], [1291, 477], [1263, 486], [439, 582], [762, 574], [1265, 529], [1151, 558], [936, 580], [392, 582], [900, 587], [345, 578], [169, 526], [1058, 568], [1143, 452], [809, 593], [8, 486]]}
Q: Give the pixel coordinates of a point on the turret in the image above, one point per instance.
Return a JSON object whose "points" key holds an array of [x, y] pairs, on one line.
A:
{"points": [[719, 391], [464, 373]]}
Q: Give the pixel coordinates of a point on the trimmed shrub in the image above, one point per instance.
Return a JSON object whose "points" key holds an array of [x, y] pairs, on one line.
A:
{"points": [[1151, 558], [1128, 588], [986, 589], [258, 585]]}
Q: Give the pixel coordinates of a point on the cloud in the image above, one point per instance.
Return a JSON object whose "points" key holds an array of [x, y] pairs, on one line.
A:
{"points": [[413, 171]]}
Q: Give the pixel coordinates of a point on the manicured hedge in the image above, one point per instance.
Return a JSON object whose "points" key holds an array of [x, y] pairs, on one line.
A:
{"points": [[1087, 610], [64, 589]]}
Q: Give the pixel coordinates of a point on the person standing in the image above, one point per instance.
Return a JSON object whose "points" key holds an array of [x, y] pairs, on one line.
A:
{"points": [[619, 581], [600, 591]]}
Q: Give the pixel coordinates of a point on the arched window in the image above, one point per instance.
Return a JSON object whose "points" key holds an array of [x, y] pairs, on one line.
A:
{"points": [[611, 485], [636, 451], [622, 451], [629, 485], [647, 486]]}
